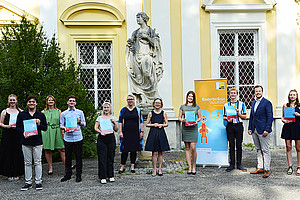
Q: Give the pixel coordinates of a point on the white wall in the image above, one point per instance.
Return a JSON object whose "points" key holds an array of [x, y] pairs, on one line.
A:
{"points": [[191, 61]]}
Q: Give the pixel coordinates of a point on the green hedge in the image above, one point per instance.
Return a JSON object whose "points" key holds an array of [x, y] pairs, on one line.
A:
{"points": [[32, 64]]}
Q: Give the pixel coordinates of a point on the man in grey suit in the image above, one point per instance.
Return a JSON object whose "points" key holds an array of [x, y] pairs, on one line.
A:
{"points": [[260, 127]]}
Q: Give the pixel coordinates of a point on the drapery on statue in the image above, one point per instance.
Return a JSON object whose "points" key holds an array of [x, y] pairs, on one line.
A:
{"points": [[144, 61]]}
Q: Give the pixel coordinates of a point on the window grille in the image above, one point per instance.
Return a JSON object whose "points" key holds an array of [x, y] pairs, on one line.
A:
{"points": [[238, 60], [96, 71]]}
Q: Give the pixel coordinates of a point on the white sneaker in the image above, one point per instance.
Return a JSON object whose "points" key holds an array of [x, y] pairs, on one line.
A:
{"points": [[112, 179], [103, 181]]}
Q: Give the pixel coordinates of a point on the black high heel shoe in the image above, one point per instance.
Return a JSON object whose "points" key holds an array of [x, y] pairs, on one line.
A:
{"points": [[121, 171], [290, 172]]}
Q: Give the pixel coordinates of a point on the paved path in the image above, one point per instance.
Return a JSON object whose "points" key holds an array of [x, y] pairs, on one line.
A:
{"points": [[208, 183]]}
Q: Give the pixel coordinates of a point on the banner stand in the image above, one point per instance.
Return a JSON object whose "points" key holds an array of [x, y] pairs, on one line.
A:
{"points": [[212, 146]]}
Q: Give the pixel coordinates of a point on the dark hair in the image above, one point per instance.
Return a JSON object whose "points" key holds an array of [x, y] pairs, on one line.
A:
{"points": [[257, 86], [162, 104], [31, 97], [194, 98], [72, 97], [297, 99]]}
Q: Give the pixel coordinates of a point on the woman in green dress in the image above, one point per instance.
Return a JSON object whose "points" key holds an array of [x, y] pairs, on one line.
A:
{"points": [[52, 138], [190, 131]]}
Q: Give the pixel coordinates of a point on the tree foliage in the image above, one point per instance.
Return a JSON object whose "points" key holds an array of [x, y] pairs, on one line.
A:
{"points": [[32, 64]]}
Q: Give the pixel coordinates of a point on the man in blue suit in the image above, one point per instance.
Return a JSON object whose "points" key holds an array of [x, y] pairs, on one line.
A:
{"points": [[260, 127]]}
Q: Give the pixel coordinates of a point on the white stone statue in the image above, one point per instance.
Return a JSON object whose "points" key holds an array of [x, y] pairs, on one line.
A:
{"points": [[144, 61]]}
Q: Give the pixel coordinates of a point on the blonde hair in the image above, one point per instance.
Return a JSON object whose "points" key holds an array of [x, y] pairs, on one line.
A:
{"points": [[15, 96], [233, 89], [48, 97], [131, 95], [106, 103]]}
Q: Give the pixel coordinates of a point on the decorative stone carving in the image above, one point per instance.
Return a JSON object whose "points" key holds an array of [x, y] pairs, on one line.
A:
{"points": [[144, 62]]}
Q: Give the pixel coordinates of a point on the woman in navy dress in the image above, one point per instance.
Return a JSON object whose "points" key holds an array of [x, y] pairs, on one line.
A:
{"points": [[131, 132], [157, 140], [291, 131]]}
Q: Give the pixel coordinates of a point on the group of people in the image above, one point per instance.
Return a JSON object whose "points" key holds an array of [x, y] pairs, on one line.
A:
{"points": [[26, 133], [20, 150], [260, 127]]}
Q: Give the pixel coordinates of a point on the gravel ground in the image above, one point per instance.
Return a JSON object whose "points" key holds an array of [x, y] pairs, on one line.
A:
{"points": [[208, 183]]}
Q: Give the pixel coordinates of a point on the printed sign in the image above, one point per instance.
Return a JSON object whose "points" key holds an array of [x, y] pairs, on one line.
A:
{"points": [[106, 126], [212, 146], [71, 124], [289, 114], [190, 117], [30, 127], [231, 112], [13, 119]]}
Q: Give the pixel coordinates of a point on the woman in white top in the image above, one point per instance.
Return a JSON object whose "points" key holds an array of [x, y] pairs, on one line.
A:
{"points": [[105, 125]]}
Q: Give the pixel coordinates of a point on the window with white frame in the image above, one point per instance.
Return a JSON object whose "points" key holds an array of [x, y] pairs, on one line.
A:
{"points": [[96, 71], [238, 60]]}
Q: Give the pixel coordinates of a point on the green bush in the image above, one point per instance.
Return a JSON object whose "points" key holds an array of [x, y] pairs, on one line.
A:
{"points": [[32, 64]]}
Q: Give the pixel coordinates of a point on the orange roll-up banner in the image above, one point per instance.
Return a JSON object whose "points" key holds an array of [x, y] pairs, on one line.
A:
{"points": [[212, 146]]}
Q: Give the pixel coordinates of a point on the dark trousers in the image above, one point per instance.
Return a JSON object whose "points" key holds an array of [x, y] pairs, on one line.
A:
{"points": [[106, 146], [235, 139], [77, 146], [124, 156]]}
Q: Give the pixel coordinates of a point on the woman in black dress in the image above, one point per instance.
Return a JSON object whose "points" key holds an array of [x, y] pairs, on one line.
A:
{"points": [[157, 140], [291, 131], [131, 132], [11, 155]]}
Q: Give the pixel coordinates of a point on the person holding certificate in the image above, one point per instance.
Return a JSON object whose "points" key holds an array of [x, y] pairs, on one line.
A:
{"points": [[290, 129], [157, 140], [52, 138], [71, 121], [131, 132], [190, 115], [234, 112], [30, 124], [105, 125], [11, 156]]}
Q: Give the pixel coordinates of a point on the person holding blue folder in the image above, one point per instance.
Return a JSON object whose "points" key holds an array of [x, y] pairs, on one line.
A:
{"points": [[32, 146], [11, 155], [105, 126], [291, 130], [234, 113], [190, 129], [72, 139]]}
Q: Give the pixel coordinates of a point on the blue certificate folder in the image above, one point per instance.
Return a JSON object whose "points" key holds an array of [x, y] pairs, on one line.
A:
{"points": [[13, 119], [289, 114], [106, 126], [30, 127], [71, 124], [190, 116], [231, 112]]}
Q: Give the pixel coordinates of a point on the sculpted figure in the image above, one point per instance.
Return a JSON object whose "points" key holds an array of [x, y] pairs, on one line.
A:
{"points": [[144, 61]]}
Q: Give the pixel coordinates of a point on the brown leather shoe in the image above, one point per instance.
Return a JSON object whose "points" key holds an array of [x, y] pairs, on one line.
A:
{"points": [[266, 174], [257, 171]]}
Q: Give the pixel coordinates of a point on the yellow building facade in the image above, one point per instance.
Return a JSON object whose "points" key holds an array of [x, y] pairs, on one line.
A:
{"points": [[248, 42]]}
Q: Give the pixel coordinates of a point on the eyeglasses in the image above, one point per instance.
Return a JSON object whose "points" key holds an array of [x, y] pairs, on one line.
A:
{"points": [[157, 98], [130, 99]]}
